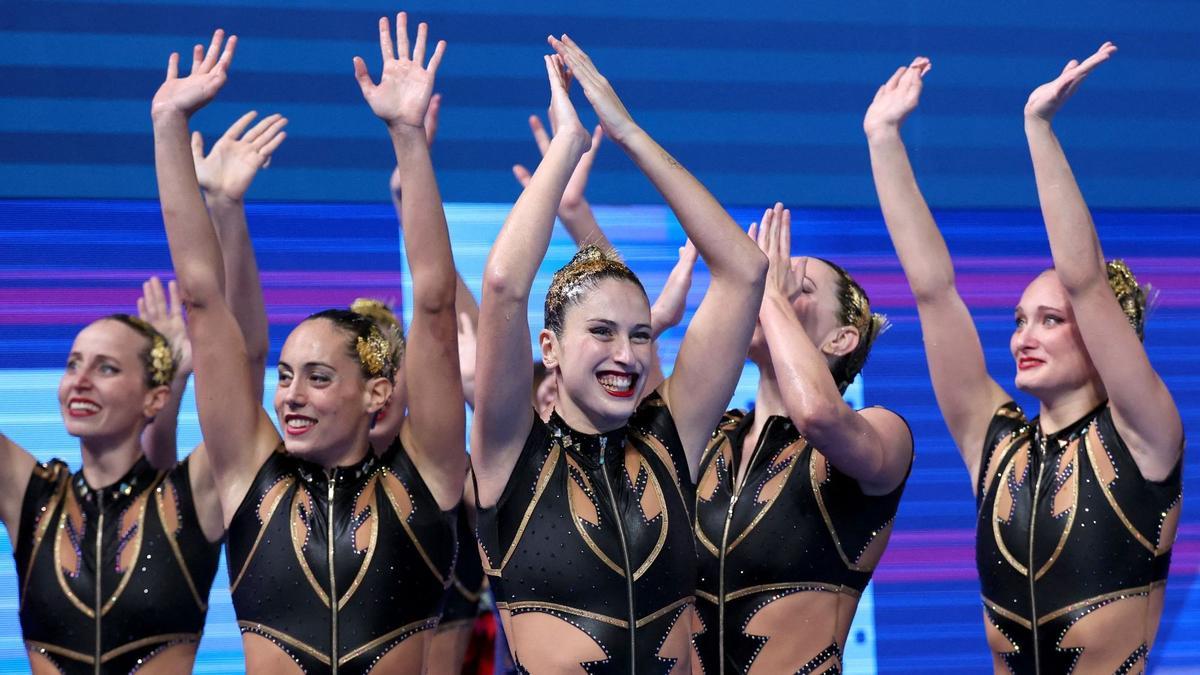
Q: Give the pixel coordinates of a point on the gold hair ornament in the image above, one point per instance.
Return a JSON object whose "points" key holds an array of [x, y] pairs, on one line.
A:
{"points": [[375, 353], [162, 360], [573, 277], [385, 319]]}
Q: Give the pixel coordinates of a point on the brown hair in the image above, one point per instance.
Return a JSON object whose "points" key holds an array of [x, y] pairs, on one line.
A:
{"points": [[590, 265]]}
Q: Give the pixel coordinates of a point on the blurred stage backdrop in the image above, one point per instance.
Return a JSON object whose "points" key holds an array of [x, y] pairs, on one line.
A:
{"points": [[762, 100]]}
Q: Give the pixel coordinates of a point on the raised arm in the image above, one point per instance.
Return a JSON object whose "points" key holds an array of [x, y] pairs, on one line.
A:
{"points": [[237, 431], [573, 209], [1143, 410], [714, 348], [503, 377], [965, 392], [16, 467], [669, 307], [433, 431], [873, 446], [225, 174], [159, 438]]}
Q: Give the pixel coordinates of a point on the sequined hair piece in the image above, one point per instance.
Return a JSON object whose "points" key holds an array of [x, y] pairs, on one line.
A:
{"points": [[854, 309], [158, 359], [590, 265], [1130, 295], [385, 319]]}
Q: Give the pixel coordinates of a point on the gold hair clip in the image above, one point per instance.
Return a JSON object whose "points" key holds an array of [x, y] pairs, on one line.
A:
{"points": [[374, 353]]}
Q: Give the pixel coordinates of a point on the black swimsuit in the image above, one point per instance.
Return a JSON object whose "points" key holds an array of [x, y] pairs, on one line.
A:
{"points": [[792, 524], [155, 567], [1073, 508], [461, 604], [552, 546], [376, 524]]}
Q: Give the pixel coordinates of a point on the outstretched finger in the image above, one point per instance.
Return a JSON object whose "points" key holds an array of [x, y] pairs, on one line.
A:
{"points": [[261, 128], [361, 74], [227, 54], [176, 307], [402, 46], [894, 80], [785, 234], [431, 118], [521, 174], [173, 66], [386, 49], [269, 134], [156, 301], [436, 59], [268, 147], [554, 72], [197, 146], [418, 55], [752, 232], [197, 58], [214, 50], [1106, 50], [235, 130], [539, 133], [141, 309]]}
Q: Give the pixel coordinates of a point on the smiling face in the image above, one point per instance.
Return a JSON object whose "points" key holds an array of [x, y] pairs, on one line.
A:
{"points": [[600, 359], [1046, 344], [103, 394], [817, 306], [323, 402]]}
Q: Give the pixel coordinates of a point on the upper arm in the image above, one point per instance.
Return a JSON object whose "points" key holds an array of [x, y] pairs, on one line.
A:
{"points": [[886, 444], [1144, 412], [709, 364], [205, 497], [238, 434], [16, 466], [503, 382], [966, 395], [435, 427]]}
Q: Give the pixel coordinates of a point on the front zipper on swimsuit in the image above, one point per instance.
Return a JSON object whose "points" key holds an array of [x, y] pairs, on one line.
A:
{"points": [[333, 597], [612, 500], [737, 491], [99, 572], [1039, 447]]}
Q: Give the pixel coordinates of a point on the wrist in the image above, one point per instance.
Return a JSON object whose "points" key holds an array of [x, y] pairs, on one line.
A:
{"points": [[1035, 122], [162, 114], [217, 200], [400, 130], [882, 133]]}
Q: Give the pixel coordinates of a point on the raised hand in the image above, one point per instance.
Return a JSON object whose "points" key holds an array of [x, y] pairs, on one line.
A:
{"points": [[618, 124], [186, 95], [402, 97], [896, 98], [236, 157], [561, 113], [1045, 101], [167, 318], [774, 237], [573, 197], [669, 307]]}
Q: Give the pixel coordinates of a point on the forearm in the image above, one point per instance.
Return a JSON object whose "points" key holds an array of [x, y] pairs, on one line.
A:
{"points": [[809, 393], [1074, 245], [523, 240], [919, 244], [724, 246], [671, 303], [243, 287], [195, 252], [426, 239], [580, 222], [160, 437]]}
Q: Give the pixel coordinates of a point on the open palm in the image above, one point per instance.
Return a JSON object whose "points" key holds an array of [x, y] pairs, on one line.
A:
{"points": [[406, 85]]}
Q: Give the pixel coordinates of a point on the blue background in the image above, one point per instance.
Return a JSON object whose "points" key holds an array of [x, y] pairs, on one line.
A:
{"points": [[762, 100]]}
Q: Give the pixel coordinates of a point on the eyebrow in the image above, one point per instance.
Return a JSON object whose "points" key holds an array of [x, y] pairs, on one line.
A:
{"points": [[613, 324], [310, 364]]}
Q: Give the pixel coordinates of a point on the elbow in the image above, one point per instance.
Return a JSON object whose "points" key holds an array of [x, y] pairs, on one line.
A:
{"points": [[500, 283], [816, 417], [748, 270], [198, 287], [1079, 282], [933, 290]]}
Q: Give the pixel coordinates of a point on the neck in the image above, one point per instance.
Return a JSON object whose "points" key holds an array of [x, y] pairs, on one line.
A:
{"points": [[105, 460], [1059, 411], [769, 400], [579, 420]]}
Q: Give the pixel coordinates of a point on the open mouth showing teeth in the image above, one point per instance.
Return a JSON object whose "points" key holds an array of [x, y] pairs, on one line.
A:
{"points": [[618, 384], [297, 424], [79, 407]]}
